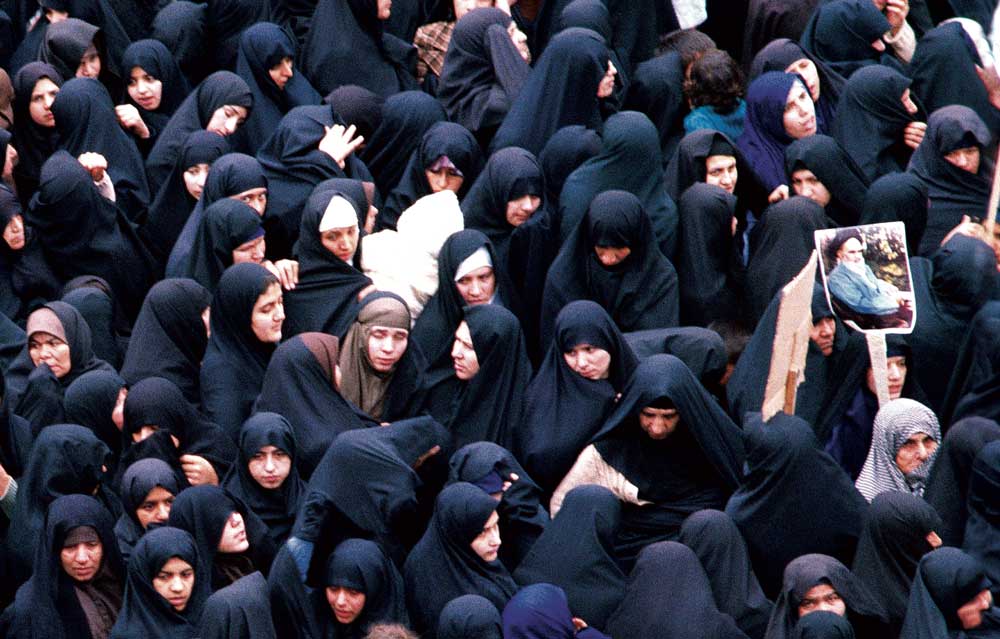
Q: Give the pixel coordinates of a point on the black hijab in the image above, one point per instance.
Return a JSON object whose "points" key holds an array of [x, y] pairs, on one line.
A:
{"points": [[262, 46], [871, 118], [15, 436], [656, 89], [35, 143], [567, 149], [708, 266], [226, 21], [831, 165], [780, 54], [483, 71], [180, 25], [25, 277], [638, 293], [953, 192], [444, 558], [65, 42], [82, 233], [241, 610], [891, 545], [717, 542], [442, 139], [326, 296], [948, 484], [981, 529], [406, 117], [823, 515], [864, 610], [975, 392], [277, 508], [560, 90], [49, 605], [629, 161], [361, 565], [153, 57], [469, 617], [946, 580], [145, 612], [564, 410], [687, 166], [173, 204], [294, 166], [226, 225], [95, 300], [139, 480], [345, 31], [232, 371], [898, 197], [300, 385], [669, 594], [771, 20], [840, 34], [217, 90], [576, 553], [204, 511], [86, 122], [784, 243], [821, 624], [169, 336], [358, 106], [490, 405], [90, 400]]}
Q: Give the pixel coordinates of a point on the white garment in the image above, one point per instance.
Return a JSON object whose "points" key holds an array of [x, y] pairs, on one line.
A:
{"points": [[690, 13]]}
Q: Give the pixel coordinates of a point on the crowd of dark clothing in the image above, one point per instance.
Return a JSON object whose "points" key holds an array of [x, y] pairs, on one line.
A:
{"points": [[454, 319]]}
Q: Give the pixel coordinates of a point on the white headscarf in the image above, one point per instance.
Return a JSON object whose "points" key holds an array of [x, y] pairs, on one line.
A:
{"points": [[895, 423]]}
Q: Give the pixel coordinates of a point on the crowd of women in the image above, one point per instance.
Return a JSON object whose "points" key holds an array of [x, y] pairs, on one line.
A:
{"points": [[370, 319]]}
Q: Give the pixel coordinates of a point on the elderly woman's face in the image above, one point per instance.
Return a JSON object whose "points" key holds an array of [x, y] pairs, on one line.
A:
{"points": [[917, 449]]}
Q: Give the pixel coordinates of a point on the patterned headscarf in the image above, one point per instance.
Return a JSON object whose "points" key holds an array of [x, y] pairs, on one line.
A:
{"points": [[895, 423]]}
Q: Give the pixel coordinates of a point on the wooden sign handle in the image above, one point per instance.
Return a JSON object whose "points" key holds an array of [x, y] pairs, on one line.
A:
{"points": [[989, 221]]}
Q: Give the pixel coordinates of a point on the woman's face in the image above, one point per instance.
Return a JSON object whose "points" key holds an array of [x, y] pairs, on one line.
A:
{"points": [[155, 508], [82, 561], [444, 179], [822, 597], [90, 63], [463, 354], [174, 582], [269, 467], [386, 346], [487, 543], [917, 449], [800, 112], [234, 535], [255, 198], [607, 85], [806, 184], [895, 372], [588, 361], [342, 242], [13, 233], [477, 286], [612, 255], [345, 603], [40, 107], [520, 210], [966, 158], [659, 423], [721, 171], [226, 119], [282, 72], [805, 68], [268, 315], [194, 179], [252, 251], [144, 89], [51, 350]]}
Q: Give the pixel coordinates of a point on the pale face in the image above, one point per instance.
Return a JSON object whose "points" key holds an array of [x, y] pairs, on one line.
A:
{"points": [[463, 354], [174, 582], [40, 107], [270, 467], [822, 597], [386, 346], [588, 361], [155, 508], [917, 449], [822, 334], [800, 113], [345, 603], [720, 170], [520, 210], [13, 233], [90, 64], [282, 72], [234, 535], [805, 68], [444, 180], [806, 184], [342, 242], [82, 561], [268, 315], [895, 371], [659, 423], [252, 251], [226, 119], [612, 255], [255, 198], [487, 543], [607, 85], [477, 286], [49, 349], [966, 158], [971, 614], [194, 179], [144, 89]]}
